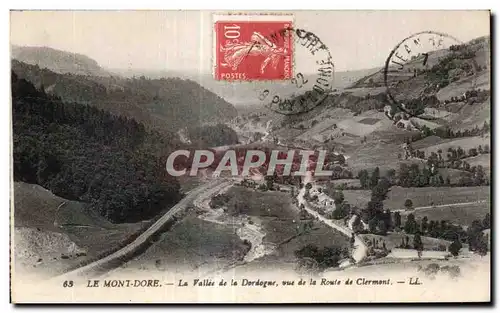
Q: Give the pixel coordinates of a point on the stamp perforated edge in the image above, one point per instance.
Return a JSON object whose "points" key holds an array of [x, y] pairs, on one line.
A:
{"points": [[249, 16]]}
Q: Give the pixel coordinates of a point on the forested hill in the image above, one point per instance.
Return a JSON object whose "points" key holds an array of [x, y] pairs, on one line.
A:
{"points": [[58, 61], [162, 104], [81, 152]]}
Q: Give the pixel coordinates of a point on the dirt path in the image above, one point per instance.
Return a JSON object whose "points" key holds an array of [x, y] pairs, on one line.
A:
{"points": [[360, 250]]}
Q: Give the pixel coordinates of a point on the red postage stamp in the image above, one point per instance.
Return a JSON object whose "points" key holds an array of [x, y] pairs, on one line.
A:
{"points": [[253, 48]]}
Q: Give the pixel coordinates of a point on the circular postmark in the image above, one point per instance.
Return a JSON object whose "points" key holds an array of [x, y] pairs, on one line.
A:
{"points": [[308, 86], [418, 67]]}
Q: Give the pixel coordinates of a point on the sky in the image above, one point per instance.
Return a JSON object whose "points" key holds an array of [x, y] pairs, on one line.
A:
{"points": [[182, 40]]}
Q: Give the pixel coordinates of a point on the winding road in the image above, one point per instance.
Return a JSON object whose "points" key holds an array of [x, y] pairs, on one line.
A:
{"points": [[360, 250], [143, 239]]}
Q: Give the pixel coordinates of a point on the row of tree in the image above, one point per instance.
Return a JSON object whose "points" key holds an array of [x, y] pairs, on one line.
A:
{"points": [[473, 235], [448, 133], [454, 154]]}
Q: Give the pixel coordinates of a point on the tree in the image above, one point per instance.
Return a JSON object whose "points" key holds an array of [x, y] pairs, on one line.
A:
{"points": [[473, 152], [482, 246], [417, 242], [269, 182], [387, 218], [402, 245], [382, 228], [379, 192], [364, 179], [455, 247], [479, 176], [357, 226], [441, 180], [411, 226], [487, 221], [486, 127], [405, 180], [408, 204], [424, 224], [338, 198], [374, 208], [475, 236], [372, 226], [397, 220], [391, 176], [375, 177]]}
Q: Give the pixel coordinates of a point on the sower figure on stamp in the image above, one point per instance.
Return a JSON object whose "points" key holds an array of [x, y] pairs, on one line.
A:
{"points": [[259, 46]]}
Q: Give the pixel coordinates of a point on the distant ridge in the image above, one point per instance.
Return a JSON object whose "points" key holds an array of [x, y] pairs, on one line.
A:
{"points": [[58, 61]]}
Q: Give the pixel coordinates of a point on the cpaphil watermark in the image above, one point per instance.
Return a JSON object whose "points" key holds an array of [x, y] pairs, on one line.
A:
{"points": [[243, 162]]}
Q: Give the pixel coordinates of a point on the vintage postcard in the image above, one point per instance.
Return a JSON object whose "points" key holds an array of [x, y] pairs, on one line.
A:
{"points": [[250, 157]]}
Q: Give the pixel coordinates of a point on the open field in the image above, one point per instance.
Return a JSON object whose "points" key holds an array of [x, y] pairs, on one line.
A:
{"points": [[470, 116], [456, 89], [381, 153], [321, 236], [427, 196], [191, 244], [427, 142], [453, 174], [349, 182], [369, 120], [462, 215], [483, 159], [364, 91], [264, 204], [465, 143], [357, 198]]}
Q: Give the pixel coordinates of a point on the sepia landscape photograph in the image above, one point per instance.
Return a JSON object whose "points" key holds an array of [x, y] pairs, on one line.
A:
{"points": [[167, 149]]}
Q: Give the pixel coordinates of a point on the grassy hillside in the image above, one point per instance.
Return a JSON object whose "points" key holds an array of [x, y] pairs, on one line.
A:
{"points": [[35, 206], [53, 234], [435, 196], [461, 215], [355, 121]]}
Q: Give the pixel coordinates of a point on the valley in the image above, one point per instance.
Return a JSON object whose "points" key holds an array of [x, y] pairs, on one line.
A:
{"points": [[406, 189]]}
